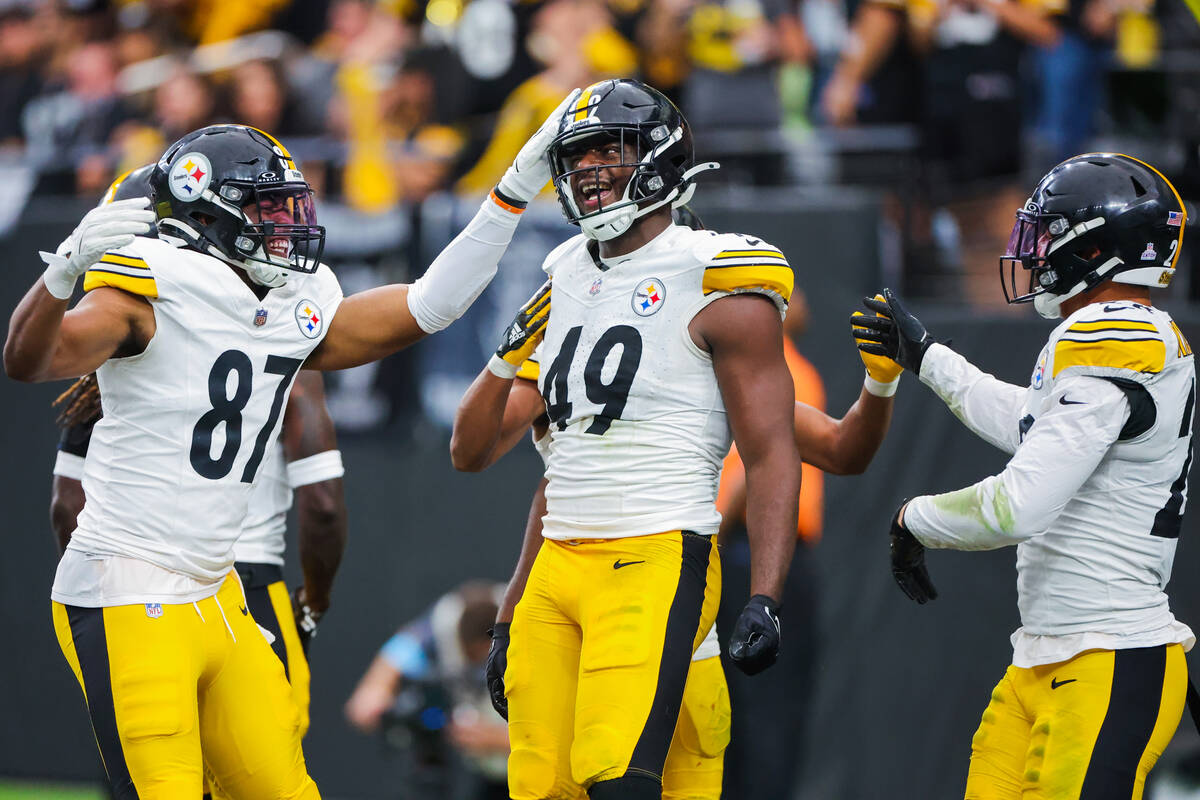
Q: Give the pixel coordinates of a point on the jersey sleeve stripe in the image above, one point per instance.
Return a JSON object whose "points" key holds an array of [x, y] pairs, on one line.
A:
{"points": [[141, 285], [772, 277], [1137, 355], [1113, 325], [749, 253], [124, 261]]}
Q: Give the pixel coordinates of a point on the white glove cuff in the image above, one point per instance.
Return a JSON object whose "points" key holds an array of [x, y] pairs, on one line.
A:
{"points": [[501, 368], [879, 388], [58, 278], [464, 268]]}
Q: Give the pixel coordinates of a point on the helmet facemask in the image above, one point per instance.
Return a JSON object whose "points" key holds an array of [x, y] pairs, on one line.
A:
{"points": [[280, 228]]}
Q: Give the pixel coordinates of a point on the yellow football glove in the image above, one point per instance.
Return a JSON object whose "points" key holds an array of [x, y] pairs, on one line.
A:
{"points": [[523, 335], [880, 369]]}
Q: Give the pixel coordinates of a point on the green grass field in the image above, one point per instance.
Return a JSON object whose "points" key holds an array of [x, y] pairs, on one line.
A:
{"points": [[22, 790]]}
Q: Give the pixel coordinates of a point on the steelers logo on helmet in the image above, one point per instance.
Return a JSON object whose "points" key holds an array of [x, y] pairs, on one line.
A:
{"points": [[190, 175], [309, 318], [649, 297]]}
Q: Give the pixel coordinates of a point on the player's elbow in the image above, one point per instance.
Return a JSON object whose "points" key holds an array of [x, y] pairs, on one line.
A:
{"points": [[18, 365], [464, 456]]}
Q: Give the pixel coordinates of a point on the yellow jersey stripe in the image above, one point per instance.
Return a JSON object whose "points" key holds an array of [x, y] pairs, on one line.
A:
{"points": [[530, 370], [141, 286], [1137, 355], [124, 261], [1113, 325], [773, 277], [749, 254], [1185, 349]]}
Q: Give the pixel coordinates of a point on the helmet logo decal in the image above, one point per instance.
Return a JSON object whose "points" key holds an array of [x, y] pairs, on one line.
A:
{"points": [[190, 176], [1148, 254], [648, 297], [309, 319], [1175, 219]]}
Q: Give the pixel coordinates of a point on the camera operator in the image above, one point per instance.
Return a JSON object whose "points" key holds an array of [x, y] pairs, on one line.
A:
{"points": [[425, 692]]}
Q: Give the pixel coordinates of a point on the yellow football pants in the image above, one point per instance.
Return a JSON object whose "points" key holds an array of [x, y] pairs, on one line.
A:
{"points": [[600, 649], [166, 683], [271, 607], [696, 760], [1090, 728]]}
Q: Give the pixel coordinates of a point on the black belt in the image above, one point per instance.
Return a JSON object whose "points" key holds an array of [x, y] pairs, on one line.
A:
{"points": [[255, 576]]}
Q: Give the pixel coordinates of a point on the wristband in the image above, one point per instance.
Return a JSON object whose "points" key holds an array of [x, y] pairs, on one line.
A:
{"points": [[56, 278], [314, 469], [68, 465], [879, 388], [501, 368]]}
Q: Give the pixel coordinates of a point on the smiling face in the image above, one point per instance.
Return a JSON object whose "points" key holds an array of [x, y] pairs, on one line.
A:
{"points": [[598, 178], [284, 207]]}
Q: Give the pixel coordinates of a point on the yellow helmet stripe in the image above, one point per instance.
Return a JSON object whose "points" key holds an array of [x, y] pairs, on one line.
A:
{"points": [[582, 104], [116, 184], [1178, 199], [286, 155]]}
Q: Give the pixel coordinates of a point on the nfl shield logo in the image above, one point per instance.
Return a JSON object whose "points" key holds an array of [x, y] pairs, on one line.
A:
{"points": [[154, 610], [260, 318]]}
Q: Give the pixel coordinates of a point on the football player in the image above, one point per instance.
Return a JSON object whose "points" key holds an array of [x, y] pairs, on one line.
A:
{"points": [[196, 338], [662, 340], [1093, 496]]}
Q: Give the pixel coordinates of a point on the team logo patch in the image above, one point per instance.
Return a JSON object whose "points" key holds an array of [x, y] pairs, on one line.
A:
{"points": [[190, 176], [1148, 254], [309, 318], [1175, 219], [648, 297], [154, 610], [260, 318], [595, 290]]}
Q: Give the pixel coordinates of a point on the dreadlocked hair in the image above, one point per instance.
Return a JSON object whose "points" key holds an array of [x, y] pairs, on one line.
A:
{"points": [[80, 403]]}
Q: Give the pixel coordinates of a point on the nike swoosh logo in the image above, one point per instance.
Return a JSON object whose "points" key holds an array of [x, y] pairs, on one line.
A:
{"points": [[243, 610], [1063, 401], [1054, 684], [1116, 308], [619, 563], [753, 242]]}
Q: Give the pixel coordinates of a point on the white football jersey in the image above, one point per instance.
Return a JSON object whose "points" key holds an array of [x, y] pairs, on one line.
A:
{"points": [[189, 421], [1096, 490], [264, 533], [639, 427]]}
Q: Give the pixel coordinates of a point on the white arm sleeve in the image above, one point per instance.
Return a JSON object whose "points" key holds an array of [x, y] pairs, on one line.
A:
{"points": [[1059, 453], [991, 408], [463, 269]]}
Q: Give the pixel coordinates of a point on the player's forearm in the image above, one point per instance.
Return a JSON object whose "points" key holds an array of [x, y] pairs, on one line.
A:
{"points": [[991, 408], [772, 489], [479, 422], [847, 445], [321, 516], [33, 334], [530, 544]]}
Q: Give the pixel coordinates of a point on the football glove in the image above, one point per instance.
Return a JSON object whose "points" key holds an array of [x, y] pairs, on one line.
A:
{"points": [[530, 171], [908, 563], [754, 644], [107, 227], [523, 334], [880, 369], [306, 618], [497, 662], [893, 332]]}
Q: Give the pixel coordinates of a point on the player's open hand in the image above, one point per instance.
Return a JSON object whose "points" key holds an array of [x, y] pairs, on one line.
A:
{"points": [[908, 563], [754, 644], [893, 332], [497, 662], [530, 171]]}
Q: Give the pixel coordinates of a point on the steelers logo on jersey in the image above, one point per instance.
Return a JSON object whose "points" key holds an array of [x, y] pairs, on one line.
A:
{"points": [[190, 176], [309, 318], [649, 297]]}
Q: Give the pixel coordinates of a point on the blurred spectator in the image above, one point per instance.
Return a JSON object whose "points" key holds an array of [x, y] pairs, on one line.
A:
{"points": [[22, 49], [427, 681], [218, 20], [575, 41], [730, 95], [68, 131], [182, 103], [259, 98]]}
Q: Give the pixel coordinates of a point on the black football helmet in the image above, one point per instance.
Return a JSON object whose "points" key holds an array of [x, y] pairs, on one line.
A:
{"points": [[1094, 217], [630, 113], [235, 193], [131, 184]]}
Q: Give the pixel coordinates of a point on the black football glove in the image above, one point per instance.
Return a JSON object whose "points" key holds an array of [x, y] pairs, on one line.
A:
{"points": [[908, 563], [754, 644], [306, 618], [497, 662], [894, 332]]}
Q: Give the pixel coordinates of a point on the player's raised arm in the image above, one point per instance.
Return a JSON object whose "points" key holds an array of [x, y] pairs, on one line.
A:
{"points": [[496, 411], [45, 341], [375, 323], [744, 335], [315, 472], [990, 408]]}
